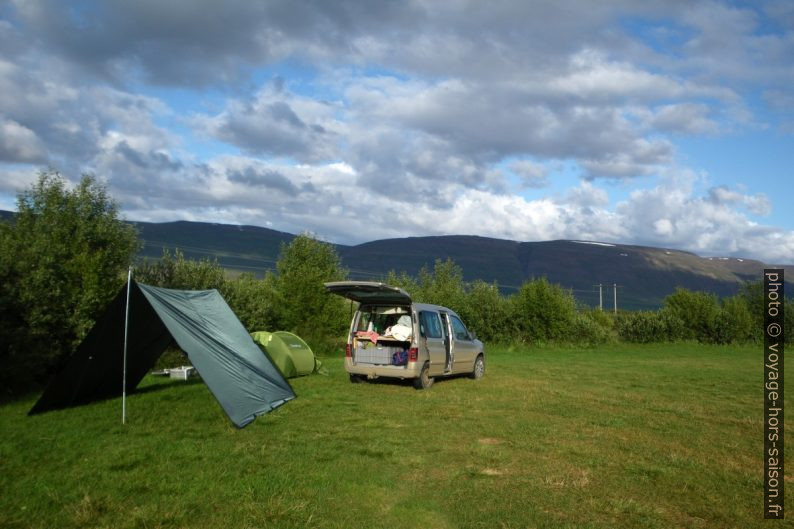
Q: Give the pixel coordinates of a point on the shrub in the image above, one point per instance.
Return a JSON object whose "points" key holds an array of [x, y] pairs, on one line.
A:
{"points": [[650, 326], [641, 327]]}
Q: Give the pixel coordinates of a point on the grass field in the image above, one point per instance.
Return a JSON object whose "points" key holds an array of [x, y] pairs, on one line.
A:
{"points": [[620, 436]]}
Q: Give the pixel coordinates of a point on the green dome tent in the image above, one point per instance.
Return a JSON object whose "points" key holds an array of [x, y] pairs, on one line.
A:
{"points": [[289, 353]]}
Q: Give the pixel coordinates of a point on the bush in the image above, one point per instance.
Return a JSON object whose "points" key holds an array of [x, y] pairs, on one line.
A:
{"points": [[650, 326], [641, 327]]}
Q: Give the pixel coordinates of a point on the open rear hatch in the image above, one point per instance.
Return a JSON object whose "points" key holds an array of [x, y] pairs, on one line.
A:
{"points": [[381, 338], [369, 292]]}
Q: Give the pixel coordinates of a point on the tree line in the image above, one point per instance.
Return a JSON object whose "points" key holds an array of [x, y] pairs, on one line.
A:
{"points": [[66, 254]]}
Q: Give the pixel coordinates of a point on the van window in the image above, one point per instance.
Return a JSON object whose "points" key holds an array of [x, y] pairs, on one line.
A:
{"points": [[381, 319], [459, 329], [429, 324]]}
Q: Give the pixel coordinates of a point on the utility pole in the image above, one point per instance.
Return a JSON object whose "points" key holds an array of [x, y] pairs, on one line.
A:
{"points": [[600, 296], [615, 288]]}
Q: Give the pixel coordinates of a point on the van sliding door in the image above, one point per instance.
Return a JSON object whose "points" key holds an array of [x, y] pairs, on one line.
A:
{"points": [[434, 338], [449, 347], [465, 350]]}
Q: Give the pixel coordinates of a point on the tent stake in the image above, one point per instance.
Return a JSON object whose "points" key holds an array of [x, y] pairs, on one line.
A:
{"points": [[124, 375]]}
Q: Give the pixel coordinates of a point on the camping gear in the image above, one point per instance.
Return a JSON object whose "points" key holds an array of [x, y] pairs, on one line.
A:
{"points": [[180, 373], [400, 358], [288, 352], [243, 380]]}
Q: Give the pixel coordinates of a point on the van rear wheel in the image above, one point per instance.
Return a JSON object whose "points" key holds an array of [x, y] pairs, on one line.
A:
{"points": [[356, 379], [424, 380]]}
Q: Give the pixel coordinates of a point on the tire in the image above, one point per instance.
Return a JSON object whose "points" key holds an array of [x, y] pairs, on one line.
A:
{"points": [[424, 380], [479, 368], [356, 379]]}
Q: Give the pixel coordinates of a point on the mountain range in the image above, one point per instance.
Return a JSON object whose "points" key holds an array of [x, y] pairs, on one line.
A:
{"points": [[639, 276], [643, 275]]}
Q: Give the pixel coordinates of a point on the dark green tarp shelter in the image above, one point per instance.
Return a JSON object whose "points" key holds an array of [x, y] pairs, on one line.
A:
{"points": [[245, 382]]}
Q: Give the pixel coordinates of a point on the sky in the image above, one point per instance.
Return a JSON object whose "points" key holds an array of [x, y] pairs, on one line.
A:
{"points": [[667, 123]]}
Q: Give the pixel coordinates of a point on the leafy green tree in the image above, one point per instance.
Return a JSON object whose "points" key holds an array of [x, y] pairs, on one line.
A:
{"points": [[485, 311], [733, 322], [303, 305], [64, 258], [443, 286], [403, 281], [543, 312], [174, 271], [254, 301], [753, 294]]}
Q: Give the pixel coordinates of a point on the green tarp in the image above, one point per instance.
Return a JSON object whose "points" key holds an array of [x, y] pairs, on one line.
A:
{"points": [[243, 380], [292, 356]]}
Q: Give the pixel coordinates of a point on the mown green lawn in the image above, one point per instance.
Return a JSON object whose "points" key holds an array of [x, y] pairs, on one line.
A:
{"points": [[619, 436]]}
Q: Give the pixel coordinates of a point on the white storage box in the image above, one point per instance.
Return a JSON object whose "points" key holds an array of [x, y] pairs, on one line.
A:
{"points": [[182, 373]]}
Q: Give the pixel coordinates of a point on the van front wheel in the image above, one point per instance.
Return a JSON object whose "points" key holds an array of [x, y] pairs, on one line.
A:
{"points": [[479, 368], [424, 380]]}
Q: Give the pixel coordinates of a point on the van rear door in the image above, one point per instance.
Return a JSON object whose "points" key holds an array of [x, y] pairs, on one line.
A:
{"points": [[369, 292]]}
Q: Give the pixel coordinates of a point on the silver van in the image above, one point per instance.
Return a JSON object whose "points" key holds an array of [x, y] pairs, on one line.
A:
{"points": [[391, 336]]}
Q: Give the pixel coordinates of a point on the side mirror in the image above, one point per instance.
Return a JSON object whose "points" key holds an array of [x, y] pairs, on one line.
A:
{"points": [[472, 335]]}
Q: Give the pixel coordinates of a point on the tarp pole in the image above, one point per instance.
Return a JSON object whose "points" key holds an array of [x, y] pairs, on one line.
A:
{"points": [[124, 371]]}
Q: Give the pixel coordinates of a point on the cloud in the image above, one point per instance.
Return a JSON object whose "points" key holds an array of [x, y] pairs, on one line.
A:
{"points": [[19, 144], [672, 214], [488, 123], [402, 118], [532, 175], [586, 195], [263, 179], [758, 204], [684, 118], [278, 123]]}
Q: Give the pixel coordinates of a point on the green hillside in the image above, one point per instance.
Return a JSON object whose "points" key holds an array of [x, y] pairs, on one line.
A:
{"points": [[241, 248], [644, 275]]}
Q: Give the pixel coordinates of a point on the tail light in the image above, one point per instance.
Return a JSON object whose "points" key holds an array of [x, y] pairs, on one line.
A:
{"points": [[347, 351], [413, 354]]}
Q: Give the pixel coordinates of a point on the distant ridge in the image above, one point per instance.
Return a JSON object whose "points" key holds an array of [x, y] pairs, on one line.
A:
{"points": [[644, 275], [243, 248]]}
